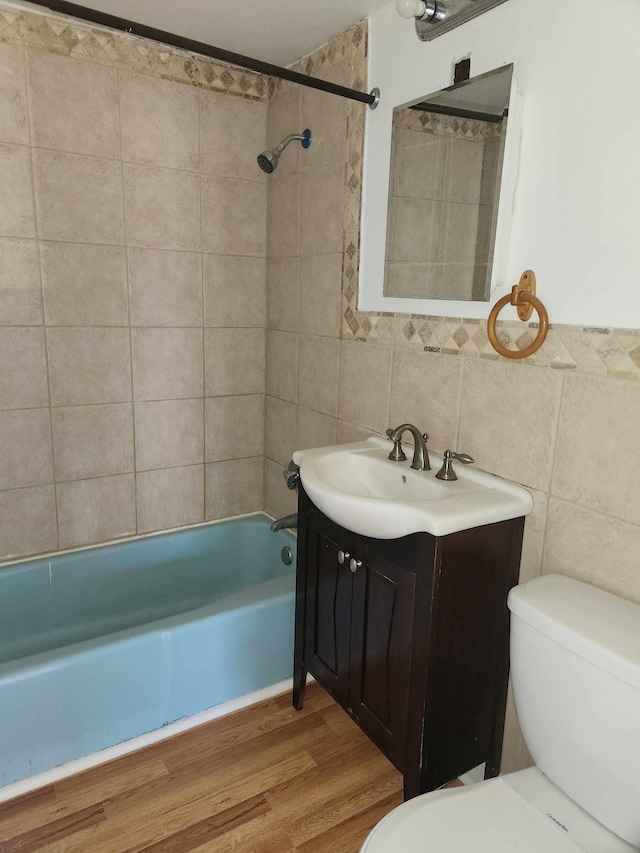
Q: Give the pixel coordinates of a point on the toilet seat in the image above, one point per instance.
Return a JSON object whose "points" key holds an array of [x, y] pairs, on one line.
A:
{"points": [[489, 817]]}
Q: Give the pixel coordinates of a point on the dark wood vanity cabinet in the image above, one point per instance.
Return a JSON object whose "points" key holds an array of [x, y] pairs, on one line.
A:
{"points": [[412, 639]]}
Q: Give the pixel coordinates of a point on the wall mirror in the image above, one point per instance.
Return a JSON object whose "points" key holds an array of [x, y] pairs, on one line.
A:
{"points": [[447, 213]]}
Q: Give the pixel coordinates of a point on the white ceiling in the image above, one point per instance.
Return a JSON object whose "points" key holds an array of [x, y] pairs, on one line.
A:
{"points": [[278, 31]]}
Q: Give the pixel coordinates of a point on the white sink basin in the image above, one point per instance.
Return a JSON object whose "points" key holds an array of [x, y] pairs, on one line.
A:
{"points": [[358, 487]]}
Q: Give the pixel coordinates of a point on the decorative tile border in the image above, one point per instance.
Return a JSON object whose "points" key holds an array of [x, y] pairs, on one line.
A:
{"points": [[89, 42], [464, 128]]}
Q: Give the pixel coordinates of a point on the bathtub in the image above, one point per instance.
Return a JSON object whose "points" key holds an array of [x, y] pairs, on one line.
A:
{"points": [[102, 645]]}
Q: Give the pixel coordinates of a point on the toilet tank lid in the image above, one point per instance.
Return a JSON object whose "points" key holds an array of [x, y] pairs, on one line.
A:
{"points": [[596, 625]]}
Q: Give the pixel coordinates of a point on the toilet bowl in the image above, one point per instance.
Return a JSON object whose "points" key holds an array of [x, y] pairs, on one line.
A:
{"points": [[575, 653]]}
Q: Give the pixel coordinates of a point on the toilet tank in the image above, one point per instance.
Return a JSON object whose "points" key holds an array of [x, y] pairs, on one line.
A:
{"points": [[575, 665]]}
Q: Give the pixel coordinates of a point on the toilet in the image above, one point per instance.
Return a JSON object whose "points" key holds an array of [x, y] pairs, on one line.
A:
{"points": [[575, 665]]}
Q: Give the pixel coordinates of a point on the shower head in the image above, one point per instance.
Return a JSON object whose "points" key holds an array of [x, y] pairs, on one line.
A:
{"points": [[268, 160]]}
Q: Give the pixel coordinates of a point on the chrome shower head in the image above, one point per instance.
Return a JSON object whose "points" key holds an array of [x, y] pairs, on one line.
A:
{"points": [[268, 160]]}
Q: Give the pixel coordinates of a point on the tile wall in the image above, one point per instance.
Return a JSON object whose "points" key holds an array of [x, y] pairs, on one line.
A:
{"points": [[132, 287]]}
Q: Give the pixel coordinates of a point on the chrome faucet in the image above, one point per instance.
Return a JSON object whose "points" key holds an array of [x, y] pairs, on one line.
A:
{"points": [[420, 459], [289, 522]]}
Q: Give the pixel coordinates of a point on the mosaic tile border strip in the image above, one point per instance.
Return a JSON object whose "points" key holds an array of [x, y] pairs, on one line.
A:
{"points": [[424, 122], [79, 40]]}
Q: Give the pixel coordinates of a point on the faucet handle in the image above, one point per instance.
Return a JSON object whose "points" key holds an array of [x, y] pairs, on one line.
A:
{"points": [[397, 454], [447, 472]]}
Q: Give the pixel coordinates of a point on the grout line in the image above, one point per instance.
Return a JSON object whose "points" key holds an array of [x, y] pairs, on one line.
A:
{"points": [[460, 398], [204, 334]]}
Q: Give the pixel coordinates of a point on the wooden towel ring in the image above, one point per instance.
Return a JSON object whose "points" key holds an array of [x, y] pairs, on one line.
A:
{"points": [[523, 297]]}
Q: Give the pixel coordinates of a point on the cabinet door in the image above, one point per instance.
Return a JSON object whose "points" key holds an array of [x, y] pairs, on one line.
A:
{"points": [[328, 616], [381, 643]]}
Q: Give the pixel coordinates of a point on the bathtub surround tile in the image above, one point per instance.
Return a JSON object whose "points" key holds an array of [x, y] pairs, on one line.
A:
{"points": [[84, 285], [92, 441], [282, 365], [234, 362], [279, 500], [74, 105], [167, 363], [321, 220], [283, 204], [28, 522], [283, 113], [25, 448], [233, 488], [165, 287], [319, 363], [159, 122], [234, 291], [170, 498], [234, 216], [321, 295], [281, 431], [234, 427], [426, 390], [89, 365], [78, 199], [365, 384], [20, 287], [282, 294], [315, 429], [23, 369], [17, 217], [96, 510], [327, 119], [508, 420], [13, 95], [162, 208], [169, 434], [232, 134]]}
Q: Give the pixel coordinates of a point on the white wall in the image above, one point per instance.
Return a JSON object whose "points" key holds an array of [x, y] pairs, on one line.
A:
{"points": [[576, 219]]}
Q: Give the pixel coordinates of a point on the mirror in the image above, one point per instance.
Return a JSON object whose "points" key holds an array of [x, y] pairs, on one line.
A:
{"points": [[446, 191]]}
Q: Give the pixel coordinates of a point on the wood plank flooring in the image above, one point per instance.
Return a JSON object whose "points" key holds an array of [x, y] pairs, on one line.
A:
{"points": [[267, 779]]}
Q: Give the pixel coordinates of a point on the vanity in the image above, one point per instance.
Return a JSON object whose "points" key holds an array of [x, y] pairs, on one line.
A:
{"points": [[410, 633]]}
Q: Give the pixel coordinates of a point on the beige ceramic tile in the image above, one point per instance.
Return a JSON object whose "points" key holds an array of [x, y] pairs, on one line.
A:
{"points": [[159, 122], [232, 134], [16, 211], [233, 488], [319, 360], [84, 285], [365, 383], [283, 205], [96, 510], [165, 288], [315, 429], [593, 548], [169, 434], [419, 159], [459, 233], [74, 105], [234, 362], [79, 199], [92, 441], [283, 118], [534, 535], [234, 427], [463, 170], [28, 524], [326, 117], [414, 280], [162, 208], [25, 448], [279, 500], [20, 291], [170, 498], [281, 430], [596, 463], [348, 433], [234, 291], [322, 210], [425, 391], [167, 363], [234, 216], [417, 229], [321, 295], [89, 366], [13, 95], [508, 420], [23, 369], [282, 365], [282, 293]]}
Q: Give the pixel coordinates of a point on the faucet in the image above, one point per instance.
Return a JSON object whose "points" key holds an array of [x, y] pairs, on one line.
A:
{"points": [[287, 521], [420, 459]]}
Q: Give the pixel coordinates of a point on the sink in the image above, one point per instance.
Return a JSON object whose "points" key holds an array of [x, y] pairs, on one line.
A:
{"points": [[358, 487]]}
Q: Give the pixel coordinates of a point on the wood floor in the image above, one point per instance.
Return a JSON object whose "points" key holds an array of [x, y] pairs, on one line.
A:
{"points": [[266, 779]]}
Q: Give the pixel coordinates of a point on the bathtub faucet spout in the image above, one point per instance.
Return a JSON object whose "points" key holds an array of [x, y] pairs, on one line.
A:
{"points": [[288, 521]]}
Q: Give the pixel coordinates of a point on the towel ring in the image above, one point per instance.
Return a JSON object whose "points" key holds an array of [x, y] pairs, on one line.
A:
{"points": [[523, 297]]}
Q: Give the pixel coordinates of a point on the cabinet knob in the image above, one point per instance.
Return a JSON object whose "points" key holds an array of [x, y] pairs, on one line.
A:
{"points": [[354, 565], [342, 557]]}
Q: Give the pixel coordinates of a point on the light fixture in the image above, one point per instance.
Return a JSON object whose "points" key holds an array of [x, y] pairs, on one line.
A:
{"points": [[422, 10], [436, 17]]}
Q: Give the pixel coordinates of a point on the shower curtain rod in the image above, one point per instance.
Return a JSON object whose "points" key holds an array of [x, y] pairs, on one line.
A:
{"points": [[96, 17]]}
